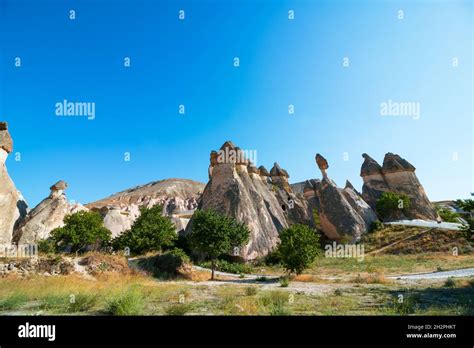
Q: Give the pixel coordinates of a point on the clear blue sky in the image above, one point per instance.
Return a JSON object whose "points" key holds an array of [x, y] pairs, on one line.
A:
{"points": [[190, 62]]}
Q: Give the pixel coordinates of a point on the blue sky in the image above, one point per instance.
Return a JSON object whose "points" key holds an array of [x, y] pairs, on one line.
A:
{"points": [[190, 62]]}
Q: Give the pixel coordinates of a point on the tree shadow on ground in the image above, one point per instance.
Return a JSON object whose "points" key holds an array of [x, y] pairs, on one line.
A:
{"points": [[436, 299]]}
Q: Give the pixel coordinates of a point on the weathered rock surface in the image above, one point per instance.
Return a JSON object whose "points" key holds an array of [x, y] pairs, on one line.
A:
{"points": [[359, 205], [178, 197], [396, 175], [13, 207], [46, 216], [343, 214], [262, 200]]}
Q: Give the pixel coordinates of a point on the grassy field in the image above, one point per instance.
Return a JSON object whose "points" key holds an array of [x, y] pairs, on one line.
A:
{"points": [[136, 294], [332, 286]]}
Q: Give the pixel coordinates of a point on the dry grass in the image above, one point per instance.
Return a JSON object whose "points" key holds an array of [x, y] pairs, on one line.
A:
{"points": [[309, 278], [371, 278], [99, 263]]}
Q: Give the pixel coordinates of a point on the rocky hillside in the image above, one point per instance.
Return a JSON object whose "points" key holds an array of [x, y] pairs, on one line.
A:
{"points": [[13, 207], [261, 199], [179, 198], [395, 175]]}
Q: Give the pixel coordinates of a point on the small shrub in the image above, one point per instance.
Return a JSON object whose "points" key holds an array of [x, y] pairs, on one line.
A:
{"points": [[450, 283], [261, 279], [280, 310], [298, 248], [168, 264], [376, 225], [390, 203], [82, 303], [47, 246], [447, 215], [276, 302], [338, 292], [130, 303], [284, 282], [405, 307]]}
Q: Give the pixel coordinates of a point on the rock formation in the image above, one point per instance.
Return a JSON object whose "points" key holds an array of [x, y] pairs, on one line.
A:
{"points": [[13, 207], [343, 214], [178, 197], [262, 200], [396, 175], [46, 216]]}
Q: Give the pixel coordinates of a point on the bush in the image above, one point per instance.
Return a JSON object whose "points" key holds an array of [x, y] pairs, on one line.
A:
{"points": [[450, 283], [214, 234], [466, 204], [298, 248], [447, 215], [390, 203], [169, 263], [151, 231], [407, 306], [82, 303], [47, 246], [376, 225], [284, 282], [80, 230], [130, 303]]}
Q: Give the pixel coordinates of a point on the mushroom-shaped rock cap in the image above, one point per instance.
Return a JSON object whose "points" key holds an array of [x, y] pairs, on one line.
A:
{"points": [[251, 168], [263, 171], [321, 162], [394, 163], [370, 166], [60, 185], [278, 171], [228, 144], [6, 142]]}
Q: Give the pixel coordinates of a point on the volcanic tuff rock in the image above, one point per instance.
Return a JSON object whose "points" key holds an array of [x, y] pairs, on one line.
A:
{"points": [[13, 207], [396, 175], [178, 197], [46, 216], [263, 201], [343, 214]]}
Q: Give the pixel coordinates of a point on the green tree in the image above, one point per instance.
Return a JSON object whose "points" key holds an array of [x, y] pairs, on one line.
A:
{"points": [[466, 204], [80, 230], [447, 215], [214, 234], [298, 248], [390, 202], [151, 231]]}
